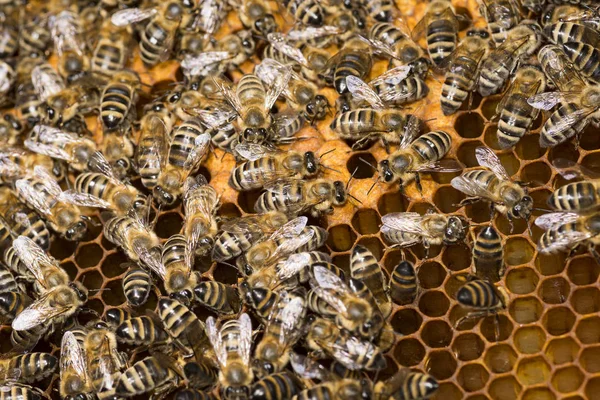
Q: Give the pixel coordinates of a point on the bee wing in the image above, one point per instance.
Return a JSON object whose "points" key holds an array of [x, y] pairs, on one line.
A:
{"points": [[363, 92], [33, 196], [214, 336], [555, 219], [209, 12], [570, 169], [252, 151], [278, 86], [393, 76], [44, 84], [409, 222], [214, 118], [545, 101], [245, 344], [83, 199], [151, 261], [268, 69], [279, 42], [291, 316], [568, 121], [379, 47], [99, 163], [565, 240], [332, 298], [289, 267], [312, 32], [325, 279], [33, 256], [72, 357], [155, 156], [9, 169], [290, 229], [202, 204], [346, 351], [105, 369], [487, 158], [290, 245], [64, 33], [471, 188], [445, 165], [281, 123], [307, 367], [39, 312], [420, 29], [130, 16], [196, 65], [48, 140], [194, 158], [229, 95]]}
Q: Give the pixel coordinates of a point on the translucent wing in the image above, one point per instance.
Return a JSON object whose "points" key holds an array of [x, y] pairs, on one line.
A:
{"points": [[556, 219], [292, 265], [545, 101], [39, 312], [419, 29], [196, 65], [446, 165], [228, 94], [105, 370], [215, 119], [252, 151], [279, 42], [150, 260], [49, 141], [45, 84], [409, 222], [214, 336], [569, 169], [34, 258], [209, 12], [308, 368], [99, 163], [130, 16], [311, 32], [33, 196], [72, 357], [471, 188], [245, 338], [568, 121], [325, 279], [565, 240], [83, 199], [283, 123], [9, 169], [290, 229], [394, 94], [347, 352], [64, 32], [291, 316], [487, 158], [332, 298], [202, 145], [363, 92], [278, 86], [155, 156]]}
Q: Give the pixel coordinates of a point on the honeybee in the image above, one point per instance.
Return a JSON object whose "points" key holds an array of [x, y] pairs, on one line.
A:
{"points": [[422, 154], [27, 102], [153, 143], [218, 297], [232, 343], [409, 228], [59, 297], [104, 362], [560, 33], [66, 32], [13, 390], [34, 37], [11, 305], [407, 385], [27, 368], [440, 25], [488, 255], [282, 385], [482, 298], [523, 40], [240, 46], [565, 231], [182, 324], [577, 197], [116, 316], [20, 220], [58, 144], [404, 284], [494, 185], [501, 16], [177, 261], [110, 53], [16, 161], [200, 203], [152, 374], [204, 64], [7, 79], [516, 114], [118, 100], [257, 16], [365, 268], [10, 129], [306, 12], [354, 59], [238, 235], [585, 58], [463, 70], [194, 394], [74, 380], [40, 191], [137, 284], [297, 196], [141, 331]]}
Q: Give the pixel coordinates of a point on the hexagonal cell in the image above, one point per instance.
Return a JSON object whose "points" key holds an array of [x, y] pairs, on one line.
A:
{"points": [[466, 153], [448, 391], [422, 208], [567, 379], [436, 334], [532, 371], [588, 140], [500, 358], [92, 280], [510, 162], [89, 255], [114, 295], [567, 151], [496, 328], [406, 321], [521, 280], [505, 388], [529, 339], [536, 174], [479, 212], [529, 148], [446, 198], [550, 264], [489, 105], [94, 228], [168, 224], [554, 290], [468, 346], [586, 301], [366, 221], [457, 257], [342, 261], [515, 227], [591, 161], [590, 359], [583, 271], [440, 364], [490, 137], [588, 330], [225, 274], [61, 248], [477, 397], [518, 251], [469, 125], [563, 350], [360, 169], [71, 269], [114, 264], [409, 352], [538, 394], [473, 377], [374, 244], [341, 238], [559, 321], [592, 388], [420, 253], [457, 313], [431, 275], [434, 303], [229, 210], [392, 202], [525, 310], [246, 200]]}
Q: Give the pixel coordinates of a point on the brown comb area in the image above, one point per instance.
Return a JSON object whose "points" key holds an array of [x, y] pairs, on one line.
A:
{"points": [[546, 344]]}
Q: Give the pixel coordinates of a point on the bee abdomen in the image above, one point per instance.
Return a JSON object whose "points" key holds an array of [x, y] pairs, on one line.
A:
{"points": [[12, 303], [19, 392], [194, 394], [585, 57], [432, 146], [34, 366], [107, 58], [177, 318], [309, 12], [488, 255], [250, 90], [137, 284], [419, 386], [579, 196], [116, 101], [403, 283], [457, 86], [478, 295], [152, 43], [355, 63], [387, 33], [441, 40], [184, 142], [552, 139], [515, 119], [7, 281], [351, 124], [140, 331], [281, 385], [253, 174], [142, 377], [216, 296]]}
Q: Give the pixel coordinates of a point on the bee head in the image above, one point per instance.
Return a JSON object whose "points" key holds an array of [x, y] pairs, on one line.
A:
{"points": [[183, 296], [254, 135], [174, 11], [76, 231], [265, 25], [80, 290], [237, 392], [340, 195], [316, 109], [310, 163], [162, 196], [385, 172], [455, 231], [523, 208]]}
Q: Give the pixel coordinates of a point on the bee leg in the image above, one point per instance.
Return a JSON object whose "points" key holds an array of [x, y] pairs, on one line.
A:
{"points": [[594, 252], [418, 182], [467, 201], [426, 246]]}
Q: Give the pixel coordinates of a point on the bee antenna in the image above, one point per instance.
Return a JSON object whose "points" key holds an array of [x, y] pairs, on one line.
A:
{"points": [[373, 185], [329, 168], [97, 290], [327, 152], [353, 197], [351, 176], [90, 220], [368, 163], [542, 209]]}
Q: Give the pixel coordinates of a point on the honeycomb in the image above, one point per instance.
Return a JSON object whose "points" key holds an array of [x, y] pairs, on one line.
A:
{"points": [[548, 341]]}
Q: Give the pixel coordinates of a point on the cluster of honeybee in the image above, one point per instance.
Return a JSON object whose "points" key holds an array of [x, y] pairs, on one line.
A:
{"points": [[323, 332]]}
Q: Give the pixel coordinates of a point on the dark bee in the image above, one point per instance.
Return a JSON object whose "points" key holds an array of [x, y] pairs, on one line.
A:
{"points": [[488, 255], [403, 283]]}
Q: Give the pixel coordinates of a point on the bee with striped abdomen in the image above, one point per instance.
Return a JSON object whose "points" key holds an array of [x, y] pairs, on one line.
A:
{"points": [[365, 267], [407, 385], [561, 32], [586, 58], [151, 374], [74, 378], [27, 368], [104, 362], [118, 100], [488, 255], [182, 324], [110, 53], [282, 385], [565, 231], [177, 261], [66, 30], [440, 25], [218, 297], [200, 203], [354, 59], [481, 298], [144, 330], [20, 220], [306, 12], [258, 16], [501, 16], [137, 285], [14, 391], [404, 284]]}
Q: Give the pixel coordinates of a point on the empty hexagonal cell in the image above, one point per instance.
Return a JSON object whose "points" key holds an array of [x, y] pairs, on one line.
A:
{"points": [[566, 151], [229, 210], [525, 310], [225, 274], [490, 137], [504, 388], [246, 200], [529, 148], [568, 379], [583, 271], [559, 321], [457, 257], [61, 248], [588, 330], [473, 377], [554, 290], [496, 328], [563, 350], [440, 364], [431, 275], [114, 295], [434, 303], [518, 251], [467, 346], [374, 244], [592, 388], [500, 358], [510, 162], [448, 391], [409, 352], [421, 253], [341, 238], [477, 397], [89, 255], [590, 359], [586, 301], [469, 125], [406, 321], [591, 161], [343, 261], [550, 264], [521, 280], [92, 280], [366, 221], [92, 304], [588, 140], [392, 202], [436, 334], [479, 212], [458, 313], [466, 153], [446, 198], [94, 229], [536, 174], [421, 208], [362, 169], [489, 105], [531, 371], [529, 339], [515, 227], [169, 224], [114, 264], [538, 394], [70, 268]]}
